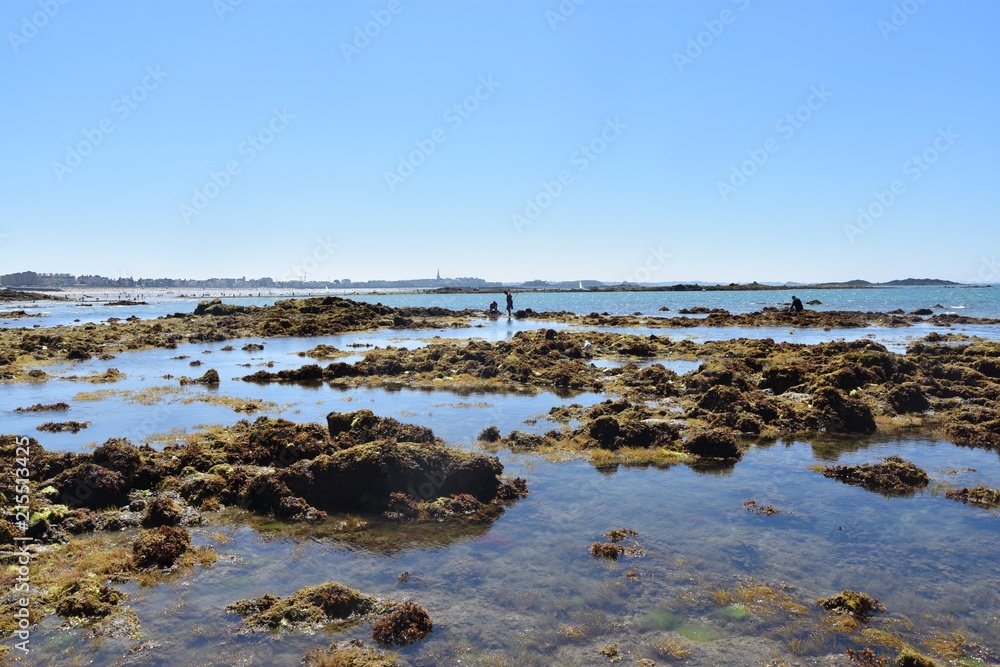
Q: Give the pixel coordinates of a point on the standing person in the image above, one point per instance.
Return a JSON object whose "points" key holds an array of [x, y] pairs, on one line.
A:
{"points": [[510, 302], [796, 304]]}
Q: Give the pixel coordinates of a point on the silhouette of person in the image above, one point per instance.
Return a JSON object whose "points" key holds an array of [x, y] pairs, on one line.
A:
{"points": [[796, 304], [493, 308], [510, 302]]}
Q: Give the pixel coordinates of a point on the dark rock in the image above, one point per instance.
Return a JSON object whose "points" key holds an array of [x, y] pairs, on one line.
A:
{"points": [[714, 444], [90, 485], [840, 413], [367, 474]]}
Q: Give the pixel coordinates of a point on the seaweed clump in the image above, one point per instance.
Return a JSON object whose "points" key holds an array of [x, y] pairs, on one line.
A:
{"points": [[80, 599], [330, 603], [349, 654], [614, 548], [161, 511], [893, 477], [62, 427], [403, 625], [861, 606], [982, 496], [160, 547], [44, 407]]}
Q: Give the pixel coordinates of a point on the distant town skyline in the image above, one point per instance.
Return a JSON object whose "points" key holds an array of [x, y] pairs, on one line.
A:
{"points": [[638, 141]]}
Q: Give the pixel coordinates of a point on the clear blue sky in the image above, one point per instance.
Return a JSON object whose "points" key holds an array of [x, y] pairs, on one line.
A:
{"points": [[331, 114]]}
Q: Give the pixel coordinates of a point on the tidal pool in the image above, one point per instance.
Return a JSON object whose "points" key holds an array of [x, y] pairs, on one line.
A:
{"points": [[527, 591]]}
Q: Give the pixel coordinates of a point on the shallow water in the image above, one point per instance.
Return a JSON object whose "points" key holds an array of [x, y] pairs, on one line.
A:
{"points": [[511, 589], [972, 302]]}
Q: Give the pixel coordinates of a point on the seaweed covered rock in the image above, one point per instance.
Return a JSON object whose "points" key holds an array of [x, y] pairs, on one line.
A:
{"points": [[985, 436], [779, 378], [199, 488], [894, 476], [839, 413], [404, 625], [279, 442], [267, 493], [489, 434], [365, 475], [119, 455], [351, 428], [308, 374], [327, 604], [718, 444], [210, 378], [982, 496], [519, 441], [629, 431], [161, 510], [859, 605], [90, 485], [160, 547], [216, 308], [86, 599], [908, 397]]}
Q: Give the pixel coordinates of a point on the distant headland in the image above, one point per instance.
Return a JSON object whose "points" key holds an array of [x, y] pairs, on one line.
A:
{"points": [[56, 282]]}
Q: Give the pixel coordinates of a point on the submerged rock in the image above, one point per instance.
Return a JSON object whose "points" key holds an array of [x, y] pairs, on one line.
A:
{"points": [[349, 654]]}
